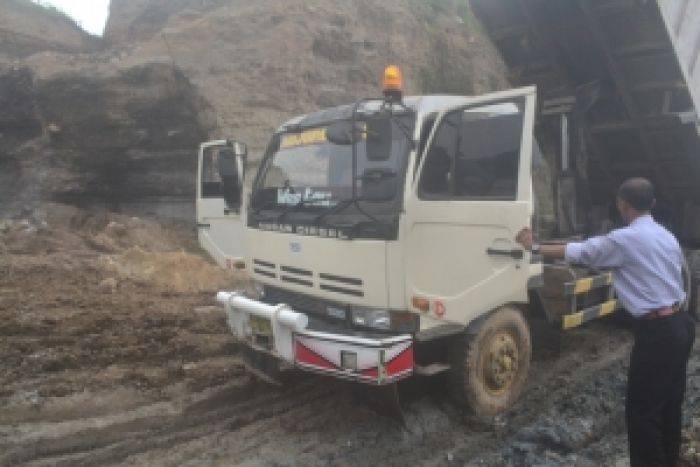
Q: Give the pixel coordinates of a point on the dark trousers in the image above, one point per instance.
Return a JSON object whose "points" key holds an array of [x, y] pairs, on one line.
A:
{"points": [[655, 388]]}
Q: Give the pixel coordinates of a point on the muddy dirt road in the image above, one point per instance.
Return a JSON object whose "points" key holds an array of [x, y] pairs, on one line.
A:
{"points": [[111, 352]]}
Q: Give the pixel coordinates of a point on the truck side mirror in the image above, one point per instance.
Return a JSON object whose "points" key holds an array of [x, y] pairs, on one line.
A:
{"points": [[379, 137], [379, 184], [340, 133]]}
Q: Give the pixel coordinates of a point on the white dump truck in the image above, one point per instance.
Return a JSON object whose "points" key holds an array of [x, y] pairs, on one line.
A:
{"points": [[381, 234]]}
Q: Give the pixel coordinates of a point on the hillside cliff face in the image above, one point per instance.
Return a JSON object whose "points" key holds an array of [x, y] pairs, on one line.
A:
{"points": [[121, 125], [137, 20], [118, 139], [258, 63], [26, 29]]}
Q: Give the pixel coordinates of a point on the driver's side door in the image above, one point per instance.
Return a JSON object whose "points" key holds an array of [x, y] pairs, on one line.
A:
{"points": [[220, 222], [471, 195]]}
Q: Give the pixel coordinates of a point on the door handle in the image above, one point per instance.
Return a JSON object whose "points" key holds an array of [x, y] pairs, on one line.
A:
{"points": [[515, 253], [203, 226]]}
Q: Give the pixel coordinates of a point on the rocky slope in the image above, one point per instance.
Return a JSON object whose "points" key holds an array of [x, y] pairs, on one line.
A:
{"points": [[121, 137], [138, 20], [120, 126], [26, 28], [258, 63]]}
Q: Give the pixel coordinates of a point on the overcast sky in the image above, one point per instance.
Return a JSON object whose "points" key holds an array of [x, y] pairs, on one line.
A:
{"points": [[91, 14]]}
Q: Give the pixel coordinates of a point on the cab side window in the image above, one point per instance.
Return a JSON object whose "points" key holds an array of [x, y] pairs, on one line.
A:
{"points": [[425, 132], [475, 154], [228, 171], [487, 157], [435, 179], [211, 179]]}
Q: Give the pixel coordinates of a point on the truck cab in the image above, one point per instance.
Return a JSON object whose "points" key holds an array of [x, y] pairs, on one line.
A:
{"points": [[378, 232]]}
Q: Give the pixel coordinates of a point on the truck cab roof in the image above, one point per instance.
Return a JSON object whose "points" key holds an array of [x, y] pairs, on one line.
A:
{"points": [[422, 105]]}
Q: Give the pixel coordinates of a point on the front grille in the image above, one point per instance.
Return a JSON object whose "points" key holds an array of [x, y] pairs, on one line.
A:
{"points": [[297, 281], [262, 272], [301, 272], [265, 268], [297, 276], [342, 290], [344, 280], [341, 285], [266, 264]]}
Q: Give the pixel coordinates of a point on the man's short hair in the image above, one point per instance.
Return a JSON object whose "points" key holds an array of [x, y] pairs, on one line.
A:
{"points": [[638, 192]]}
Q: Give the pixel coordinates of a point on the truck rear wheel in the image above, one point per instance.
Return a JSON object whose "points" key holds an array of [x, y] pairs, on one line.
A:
{"points": [[489, 369]]}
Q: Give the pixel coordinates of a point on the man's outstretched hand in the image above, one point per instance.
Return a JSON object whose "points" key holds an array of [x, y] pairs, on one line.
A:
{"points": [[524, 237], [555, 251]]}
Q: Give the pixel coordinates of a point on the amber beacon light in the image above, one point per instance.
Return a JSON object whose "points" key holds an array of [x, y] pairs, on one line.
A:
{"points": [[392, 83]]}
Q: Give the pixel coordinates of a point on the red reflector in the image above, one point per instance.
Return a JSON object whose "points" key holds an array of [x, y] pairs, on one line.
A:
{"points": [[439, 309]]}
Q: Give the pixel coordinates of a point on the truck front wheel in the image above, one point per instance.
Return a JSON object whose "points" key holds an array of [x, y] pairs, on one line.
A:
{"points": [[489, 368]]}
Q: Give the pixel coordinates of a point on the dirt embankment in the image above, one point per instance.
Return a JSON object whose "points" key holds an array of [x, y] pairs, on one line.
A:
{"points": [[104, 135], [259, 63], [120, 126], [138, 20]]}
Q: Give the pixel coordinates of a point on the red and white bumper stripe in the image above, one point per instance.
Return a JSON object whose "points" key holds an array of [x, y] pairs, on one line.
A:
{"points": [[379, 361], [374, 361]]}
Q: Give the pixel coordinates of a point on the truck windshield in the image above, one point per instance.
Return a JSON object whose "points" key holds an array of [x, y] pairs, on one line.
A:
{"points": [[308, 169]]}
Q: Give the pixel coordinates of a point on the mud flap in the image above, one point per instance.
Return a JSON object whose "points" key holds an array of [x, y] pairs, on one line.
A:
{"points": [[384, 400], [264, 366]]}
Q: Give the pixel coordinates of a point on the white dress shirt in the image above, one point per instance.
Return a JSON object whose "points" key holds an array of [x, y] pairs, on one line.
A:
{"points": [[646, 260]]}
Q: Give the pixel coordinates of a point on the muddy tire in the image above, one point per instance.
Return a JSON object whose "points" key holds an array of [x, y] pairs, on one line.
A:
{"points": [[489, 368]]}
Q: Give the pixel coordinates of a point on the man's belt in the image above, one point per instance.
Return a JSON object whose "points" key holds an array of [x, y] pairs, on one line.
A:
{"points": [[662, 312]]}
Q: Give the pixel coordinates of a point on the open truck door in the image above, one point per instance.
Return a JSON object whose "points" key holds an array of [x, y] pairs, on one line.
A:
{"points": [[220, 208], [472, 195]]}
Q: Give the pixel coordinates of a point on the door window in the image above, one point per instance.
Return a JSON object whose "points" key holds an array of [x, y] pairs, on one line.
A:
{"points": [[475, 154], [436, 177], [211, 178], [220, 176]]}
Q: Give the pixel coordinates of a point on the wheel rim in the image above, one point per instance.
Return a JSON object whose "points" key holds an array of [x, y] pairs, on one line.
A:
{"points": [[501, 363]]}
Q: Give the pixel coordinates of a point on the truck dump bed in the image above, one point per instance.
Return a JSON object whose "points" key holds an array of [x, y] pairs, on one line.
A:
{"points": [[631, 68]]}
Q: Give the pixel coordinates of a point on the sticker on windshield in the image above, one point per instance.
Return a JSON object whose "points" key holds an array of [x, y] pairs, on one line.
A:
{"points": [[293, 140], [309, 196]]}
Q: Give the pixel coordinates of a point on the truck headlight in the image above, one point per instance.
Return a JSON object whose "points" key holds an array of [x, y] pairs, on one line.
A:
{"points": [[371, 318], [385, 320]]}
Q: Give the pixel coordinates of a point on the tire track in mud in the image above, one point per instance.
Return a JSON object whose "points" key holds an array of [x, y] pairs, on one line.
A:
{"points": [[224, 411], [313, 409]]}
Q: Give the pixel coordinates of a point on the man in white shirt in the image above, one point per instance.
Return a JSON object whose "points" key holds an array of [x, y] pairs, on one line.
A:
{"points": [[646, 261]]}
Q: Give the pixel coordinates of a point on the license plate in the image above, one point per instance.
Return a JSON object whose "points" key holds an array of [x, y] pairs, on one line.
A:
{"points": [[260, 325]]}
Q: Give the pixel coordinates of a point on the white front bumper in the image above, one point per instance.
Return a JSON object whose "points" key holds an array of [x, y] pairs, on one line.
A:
{"points": [[370, 360]]}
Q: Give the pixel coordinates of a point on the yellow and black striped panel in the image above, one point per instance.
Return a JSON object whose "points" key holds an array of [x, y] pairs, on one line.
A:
{"points": [[587, 284], [583, 316]]}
